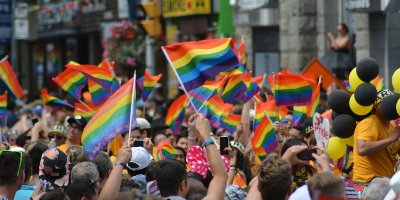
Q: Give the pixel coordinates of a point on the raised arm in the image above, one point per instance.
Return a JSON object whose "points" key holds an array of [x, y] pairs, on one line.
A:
{"points": [[216, 189]]}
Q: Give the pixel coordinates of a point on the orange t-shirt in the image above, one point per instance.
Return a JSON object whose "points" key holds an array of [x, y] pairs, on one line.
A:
{"points": [[381, 163]]}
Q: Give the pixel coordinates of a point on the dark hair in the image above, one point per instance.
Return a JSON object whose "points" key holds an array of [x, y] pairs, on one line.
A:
{"points": [[21, 139], [274, 178], [35, 152], [103, 164], [78, 189], [28, 166], [127, 185], [181, 149], [345, 27], [54, 195], [169, 175], [9, 163], [291, 142]]}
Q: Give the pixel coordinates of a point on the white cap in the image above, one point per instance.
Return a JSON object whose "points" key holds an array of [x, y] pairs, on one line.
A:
{"points": [[395, 185], [142, 123], [140, 159]]}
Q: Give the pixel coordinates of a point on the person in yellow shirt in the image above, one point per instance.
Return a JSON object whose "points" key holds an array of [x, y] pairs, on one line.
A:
{"points": [[75, 128], [376, 144]]}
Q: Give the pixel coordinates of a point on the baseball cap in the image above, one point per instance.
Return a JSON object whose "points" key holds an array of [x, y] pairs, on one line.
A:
{"points": [[395, 185], [58, 129], [140, 159], [142, 123], [53, 170], [78, 120], [381, 95]]}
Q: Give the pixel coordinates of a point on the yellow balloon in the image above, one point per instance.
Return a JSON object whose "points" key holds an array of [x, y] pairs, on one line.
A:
{"points": [[349, 141], [336, 148], [357, 108], [396, 80], [398, 106], [354, 80]]}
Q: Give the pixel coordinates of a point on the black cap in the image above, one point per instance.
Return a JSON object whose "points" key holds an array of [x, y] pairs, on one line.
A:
{"points": [[78, 120]]}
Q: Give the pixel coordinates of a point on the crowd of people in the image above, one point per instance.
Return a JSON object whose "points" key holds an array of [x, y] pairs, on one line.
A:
{"points": [[46, 160]]}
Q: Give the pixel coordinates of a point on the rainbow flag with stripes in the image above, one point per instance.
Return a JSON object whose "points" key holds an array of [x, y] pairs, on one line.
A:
{"points": [[195, 62], [251, 91], [292, 90], [230, 122], [378, 83], [146, 83], [299, 115], [8, 76], [53, 101], [216, 110], [111, 119], [241, 52], [312, 108], [72, 82], [264, 136], [240, 69], [234, 89], [3, 105], [83, 111], [166, 150], [102, 74], [201, 94], [271, 110], [176, 113], [260, 153]]}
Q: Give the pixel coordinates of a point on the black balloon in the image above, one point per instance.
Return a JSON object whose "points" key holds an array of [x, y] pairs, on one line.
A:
{"points": [[338, 100], [367, 69], [343, 126], [388, 107], [334, 115], [365, 94]]}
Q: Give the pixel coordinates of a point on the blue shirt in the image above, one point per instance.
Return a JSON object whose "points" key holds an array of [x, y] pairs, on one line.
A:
{"points": [[24, 193]]}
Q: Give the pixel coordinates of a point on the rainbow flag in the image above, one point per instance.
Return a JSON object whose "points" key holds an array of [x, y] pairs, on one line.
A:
{"points": [[299, 115], [83, 111], [241, 52], [72, 82], [8, 76], [166, 150], [146, 83], [216, 110], [251, 91], [240, 69], [98, 93], [111, 119], [239, 181], [260, 153], [3, 105], [175, 114], [195, 62], [201, 94], [312, 108], [234, 89], [53, 101], [230, 122], [291, 90], [271, 110], [378, 83], [264, 136], [101, 75]]}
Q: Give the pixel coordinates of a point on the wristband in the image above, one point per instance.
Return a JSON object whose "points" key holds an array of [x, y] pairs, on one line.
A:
{"points": [[191, 138], [233, 169], [120, 163], [207, 142]]}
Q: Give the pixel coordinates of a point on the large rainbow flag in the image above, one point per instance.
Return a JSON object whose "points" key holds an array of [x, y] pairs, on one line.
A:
{"points": [[111, 119], [264, 136], [53, 101], [7, 75], [292, 89], [146, 83], [3, 105], [176, 113], [72, 82], [195, 62]]}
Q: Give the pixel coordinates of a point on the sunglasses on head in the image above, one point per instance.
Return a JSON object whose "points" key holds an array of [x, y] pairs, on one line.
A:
{"points": [[20, 158]]}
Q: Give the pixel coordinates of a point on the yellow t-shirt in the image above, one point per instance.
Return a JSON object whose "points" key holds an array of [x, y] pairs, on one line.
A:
{"points": [[377, 164], [63, 148]]}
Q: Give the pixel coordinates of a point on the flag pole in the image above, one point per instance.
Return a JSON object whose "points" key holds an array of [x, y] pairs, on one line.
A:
{"points": [[132, 104], [179, 79]]}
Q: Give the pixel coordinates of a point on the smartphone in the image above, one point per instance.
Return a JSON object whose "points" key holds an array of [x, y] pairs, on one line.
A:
{"points": [[34, 121], [306, 154], [223, 143], [138, 143]]}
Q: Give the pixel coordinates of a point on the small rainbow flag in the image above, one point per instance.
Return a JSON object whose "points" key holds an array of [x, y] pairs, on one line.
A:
{"points": [[175, 114], [53, 101], [111, 119], [146, 83], [216, 110], [3, 105], [195, 62], [260, 152], [378, 83], [72, 82], [83, 111], [270, 109], [312, 108], [291, 90], [101, 75], [7, 74], [264, 136], [98, 94], [234, 89], [239, 181], [166, 150], [230, 122], [299, 115], [251, 91], [241, 52], [201, 94]]}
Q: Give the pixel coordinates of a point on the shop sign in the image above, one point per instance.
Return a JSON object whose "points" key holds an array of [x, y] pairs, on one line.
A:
{"points": [[178, 8], [21, 29], [252, 4], [94, 6]]}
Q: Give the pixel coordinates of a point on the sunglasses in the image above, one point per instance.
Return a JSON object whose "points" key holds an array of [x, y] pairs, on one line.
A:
{"points": [[58, 137], [20, 158]]}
